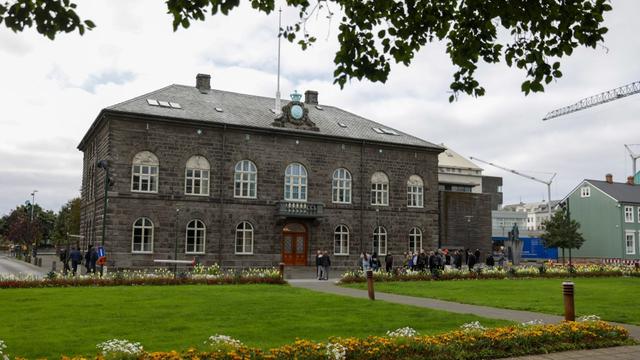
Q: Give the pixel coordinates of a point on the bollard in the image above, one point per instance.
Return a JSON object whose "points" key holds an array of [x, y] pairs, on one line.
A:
{"points": [[39, 261], [569, 305], [372, 295], [281, 267], [53, 266]]}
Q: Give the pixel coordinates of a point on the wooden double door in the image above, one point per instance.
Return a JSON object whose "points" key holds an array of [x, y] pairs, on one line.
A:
{"points": [[295, 240]]}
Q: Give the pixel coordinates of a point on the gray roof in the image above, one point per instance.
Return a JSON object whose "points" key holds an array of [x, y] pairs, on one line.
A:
{"points": [[622, 192], [254, 111]]}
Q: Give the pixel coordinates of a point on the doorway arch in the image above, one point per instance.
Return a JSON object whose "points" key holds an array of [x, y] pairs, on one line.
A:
{"points": [[295, 238]]}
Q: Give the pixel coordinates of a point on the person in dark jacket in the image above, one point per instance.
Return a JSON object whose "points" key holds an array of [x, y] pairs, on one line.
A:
{"points": [[432, 262], [76, 258], [87, 259], [64, 259], [490, 261], [471, 261], [457, 259], [477, 255], [422, 261], [318, 266], [325, 263], [388, 262]]}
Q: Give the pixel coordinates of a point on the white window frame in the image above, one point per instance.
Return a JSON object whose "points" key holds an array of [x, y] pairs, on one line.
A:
{"points": [[341, 186], [341, 240], [145, 169], [380, 235], [379, 189], [630, 250], [585, 192], [415, 238], [415, 192], [638, 208], [295, 183], [199, 237], [200, 172], [144, 229], [245, 180], [244, 236], [628, 214]]}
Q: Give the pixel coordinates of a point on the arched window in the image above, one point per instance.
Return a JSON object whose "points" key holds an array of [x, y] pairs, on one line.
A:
{"points": [[142, 237], [144, 172], [295, 183], [245, 180], [415, 192], [380, 241], [341, 186], [196, 234], [341, 240], [196, 175], [244, 238], [415, 240], [379, 189]]}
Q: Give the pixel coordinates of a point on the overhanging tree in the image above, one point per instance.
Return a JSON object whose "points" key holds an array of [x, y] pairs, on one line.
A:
{"points": [[67, 221], [562, 232], [530, 34]]}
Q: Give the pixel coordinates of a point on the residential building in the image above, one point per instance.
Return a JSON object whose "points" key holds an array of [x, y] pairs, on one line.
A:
{"points": [[609, 217], [537, 212]]}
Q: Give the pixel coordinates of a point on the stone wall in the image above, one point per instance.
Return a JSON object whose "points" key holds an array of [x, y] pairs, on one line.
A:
{"points": [[271, 151]]}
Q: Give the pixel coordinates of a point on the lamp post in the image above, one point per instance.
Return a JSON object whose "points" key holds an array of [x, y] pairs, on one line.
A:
{"points": [[104, 165], [175, 248]]}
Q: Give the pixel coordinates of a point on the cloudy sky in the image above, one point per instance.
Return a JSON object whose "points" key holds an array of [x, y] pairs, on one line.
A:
{"points": [[51, 91]]}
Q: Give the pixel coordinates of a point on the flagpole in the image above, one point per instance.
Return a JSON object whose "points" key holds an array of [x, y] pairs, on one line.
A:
{"points": [[277, 104]]}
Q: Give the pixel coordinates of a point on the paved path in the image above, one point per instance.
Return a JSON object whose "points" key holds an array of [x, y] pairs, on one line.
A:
{"points": [[623, 353], [9, 265]]}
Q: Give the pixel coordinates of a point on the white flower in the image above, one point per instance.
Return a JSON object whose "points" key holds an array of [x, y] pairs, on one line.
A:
{"points": [[475, 325], [336, 351], [589, 318], [221, 340], [120, 349], [3, 356], [533, 322], [402, 332]]}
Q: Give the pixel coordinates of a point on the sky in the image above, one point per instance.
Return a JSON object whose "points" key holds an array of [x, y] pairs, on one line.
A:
{"points": [[51, 91]]}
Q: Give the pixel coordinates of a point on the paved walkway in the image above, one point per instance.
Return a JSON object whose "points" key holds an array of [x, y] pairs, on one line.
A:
{"points": [[622, 353], [9, 265]]}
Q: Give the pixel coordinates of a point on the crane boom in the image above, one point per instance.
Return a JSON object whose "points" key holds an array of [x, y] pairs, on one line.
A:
{"points": [[595, 100], [546, 182]]}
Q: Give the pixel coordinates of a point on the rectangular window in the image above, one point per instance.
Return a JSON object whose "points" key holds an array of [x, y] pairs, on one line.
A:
{"points": [[415, 196], [585, 191], [144, 178], [628, 214], [379, 194], [630, 243]]}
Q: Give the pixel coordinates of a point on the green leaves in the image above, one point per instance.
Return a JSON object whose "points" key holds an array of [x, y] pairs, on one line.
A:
{"points": [[49, 17]]}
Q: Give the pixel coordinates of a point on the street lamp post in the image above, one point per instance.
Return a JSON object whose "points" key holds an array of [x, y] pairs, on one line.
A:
{"points": [[175, 248], [32, 240]]}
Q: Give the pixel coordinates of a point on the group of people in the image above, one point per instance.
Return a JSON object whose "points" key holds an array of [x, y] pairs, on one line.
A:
{"points": [[436, 260], [323, 262], [372, 261], [75, 256]]}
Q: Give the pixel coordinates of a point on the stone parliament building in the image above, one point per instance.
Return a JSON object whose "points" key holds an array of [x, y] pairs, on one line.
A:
{"points": [[222, 177]]}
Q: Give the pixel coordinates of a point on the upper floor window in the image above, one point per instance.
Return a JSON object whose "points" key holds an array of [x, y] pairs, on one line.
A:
{"points": [[295, 183], [197, 176], [142, 237], [341, 240], [196, 233], [628, 214], [585, 191], [341, 186], [245, 180], [379, 189], [244, 238], [415, 191], [380, 241], [415, 240], [144, 173]]}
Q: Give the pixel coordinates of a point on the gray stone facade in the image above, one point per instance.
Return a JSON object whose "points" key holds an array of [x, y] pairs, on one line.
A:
{"points": [[118, 137]]}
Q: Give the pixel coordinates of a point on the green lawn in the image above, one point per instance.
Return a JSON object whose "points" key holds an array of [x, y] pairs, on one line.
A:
{"points": [[49, 322], [614, 299]]}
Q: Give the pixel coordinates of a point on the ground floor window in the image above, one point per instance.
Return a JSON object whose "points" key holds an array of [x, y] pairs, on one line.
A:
{"points": [[341, 240], [244, 238], [415, 240], [195, 237], [380, 241], [630, 243], [142, 237]]}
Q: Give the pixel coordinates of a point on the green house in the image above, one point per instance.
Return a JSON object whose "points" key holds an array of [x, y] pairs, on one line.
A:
{"points": [[609, 217]]}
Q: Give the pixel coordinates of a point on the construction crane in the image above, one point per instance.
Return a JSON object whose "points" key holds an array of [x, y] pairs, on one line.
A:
{"points": [[634, 157], [595, 100], [546, 182]]}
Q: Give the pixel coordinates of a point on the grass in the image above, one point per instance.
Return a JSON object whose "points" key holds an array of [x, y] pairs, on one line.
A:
{"points": [[53, 321], [613, 299]]}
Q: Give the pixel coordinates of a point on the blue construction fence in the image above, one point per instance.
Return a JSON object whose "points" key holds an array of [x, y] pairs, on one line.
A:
{"points": [[532, 248]]}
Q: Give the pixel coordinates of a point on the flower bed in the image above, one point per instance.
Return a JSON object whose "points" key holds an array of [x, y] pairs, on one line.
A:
{"points": [[496, 273], [472, 341], [211, 275]]}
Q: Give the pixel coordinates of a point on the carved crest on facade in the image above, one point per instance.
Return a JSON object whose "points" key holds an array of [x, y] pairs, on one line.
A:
{"points": [[295, 115]]}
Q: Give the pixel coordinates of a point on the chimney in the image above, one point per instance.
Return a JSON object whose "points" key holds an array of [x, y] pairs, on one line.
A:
{"points": [[629, 180], [609, 178], [203, 83], [311, 97]]}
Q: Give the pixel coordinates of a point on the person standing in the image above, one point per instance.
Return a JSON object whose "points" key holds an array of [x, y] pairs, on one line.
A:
{"points": [[325, 263], [318, 265], [64, 258], [457, 260], [477, 255], [87, 259], [365, 261], [388, 262], [471, 262], [76, 258]]}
